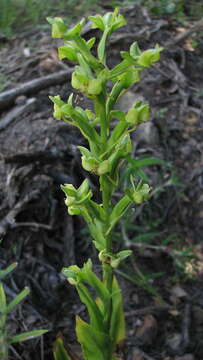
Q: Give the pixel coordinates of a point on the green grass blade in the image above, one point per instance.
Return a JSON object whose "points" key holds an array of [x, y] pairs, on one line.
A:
{"points": [[18, 299], [7, 271], [60, 352], [28, 335]]}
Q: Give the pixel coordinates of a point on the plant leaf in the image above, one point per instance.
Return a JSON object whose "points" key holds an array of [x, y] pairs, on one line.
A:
{"points": [[96, 319], [97, 22], [60, 353], [7, 271], [118, 132], [67, 52], [2, 300], [145, 161], [117, 329], [118, 211], [102, 46], [28, 335], [95, 344], [17, 299], [145, 237]]}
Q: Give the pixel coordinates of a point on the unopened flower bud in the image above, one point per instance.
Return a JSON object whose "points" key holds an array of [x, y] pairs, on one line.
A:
{"points": [[104, 167], [89, 164], [94, 87], [132, 116], [148, 57], [102, 255]]}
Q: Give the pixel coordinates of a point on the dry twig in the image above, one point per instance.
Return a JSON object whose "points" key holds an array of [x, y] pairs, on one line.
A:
{"points": [[196, 27], [9, 220], [14, 113], [33, 86]]}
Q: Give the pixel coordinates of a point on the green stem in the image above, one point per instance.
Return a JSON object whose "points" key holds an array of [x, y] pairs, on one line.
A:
{"points": [[100, 111], [3, 345], [108, 280], [107, 269]]}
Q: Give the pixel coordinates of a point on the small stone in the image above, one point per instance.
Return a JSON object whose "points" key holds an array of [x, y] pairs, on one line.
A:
{"points": [[127, 100], [148, 133]]}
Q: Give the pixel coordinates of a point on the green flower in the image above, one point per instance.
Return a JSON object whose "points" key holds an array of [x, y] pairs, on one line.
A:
{"points": [[138, 113], [110, 21], [58, 27], [89, 87], [139, 194], [150, 56], [76, 199]]}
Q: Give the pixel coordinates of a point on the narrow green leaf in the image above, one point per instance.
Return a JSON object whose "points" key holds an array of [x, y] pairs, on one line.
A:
{"points": [[102, 46], [145, 237], [95, 344], [2, 299], [119, 69], [86, 68], [67, 52], [74, 31], [2, 308], [126, 56], [58, 26], [96, 230], [118, 132], [135, 50], [97, 22], [27, 336], [91, 42], [117, 328], [96, 210], [113, 96], [18, 299], [118, 211], [83, 189], [60, 353], [141, 174], [145, 161], [96, 318], [89, 277], [86, 129], [7, 271]]}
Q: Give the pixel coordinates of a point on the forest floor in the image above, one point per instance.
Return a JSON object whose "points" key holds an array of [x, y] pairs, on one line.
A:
{"points": [[162, 282]]}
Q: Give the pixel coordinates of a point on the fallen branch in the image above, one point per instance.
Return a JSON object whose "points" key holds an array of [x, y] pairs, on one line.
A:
{"points": [[149, 310], [196, 27], [9, 220], [43, 157], [186, 326], [14, 113], [33, 86]]}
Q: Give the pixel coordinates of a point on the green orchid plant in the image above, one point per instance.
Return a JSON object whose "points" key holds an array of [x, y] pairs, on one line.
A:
{"points": [[108, 149]]}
